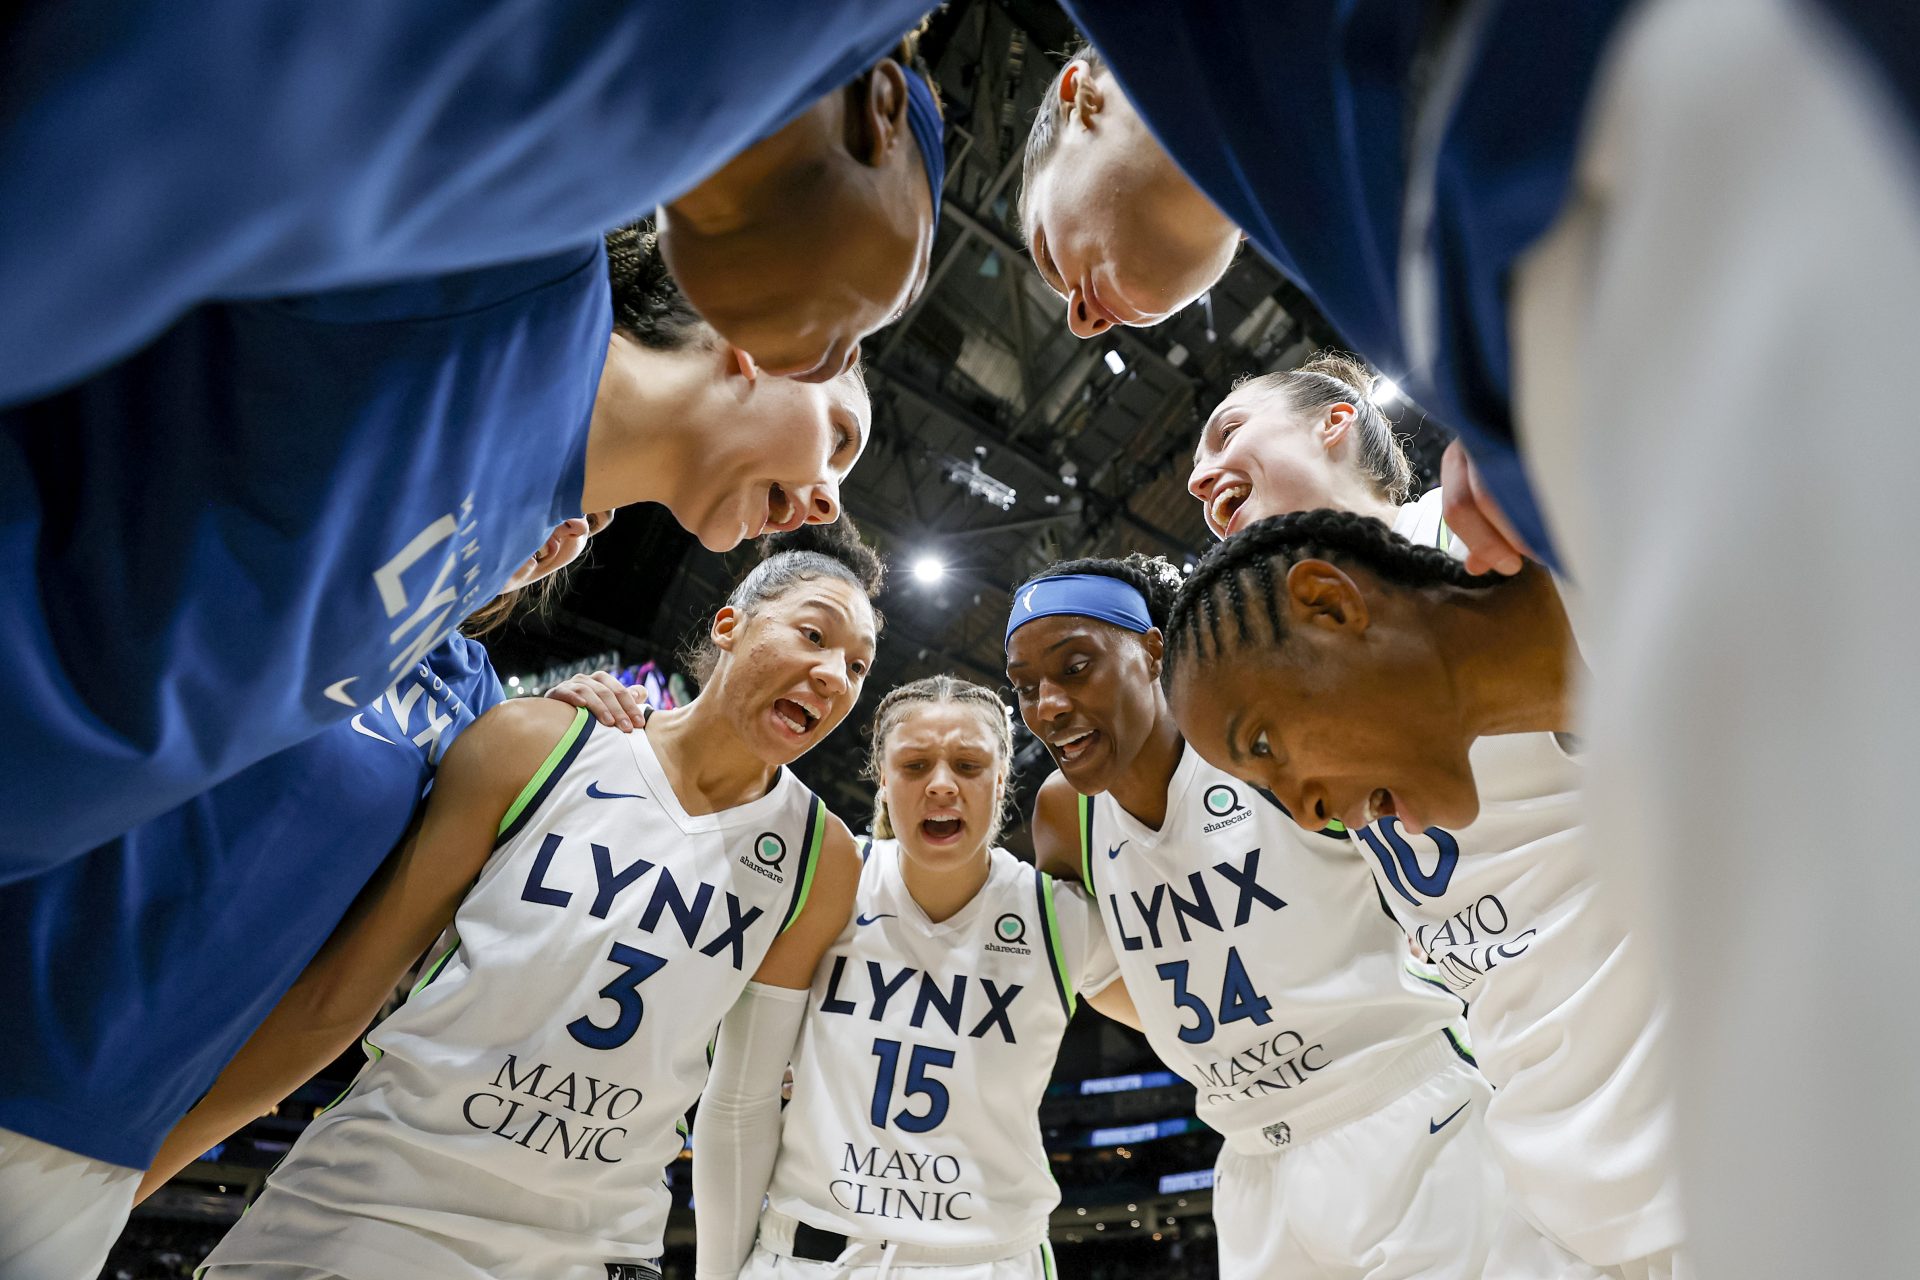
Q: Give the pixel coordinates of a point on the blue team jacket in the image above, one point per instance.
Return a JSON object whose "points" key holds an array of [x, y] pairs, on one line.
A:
{"points": [[158, 155], [248, 530], [136, 971]]}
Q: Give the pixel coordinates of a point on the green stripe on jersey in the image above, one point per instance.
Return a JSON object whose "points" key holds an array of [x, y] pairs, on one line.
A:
{"points": [[540, 775], [1085, 805], [1046, 1258], [817, 820], [1059, 951], [1460, 1046]]}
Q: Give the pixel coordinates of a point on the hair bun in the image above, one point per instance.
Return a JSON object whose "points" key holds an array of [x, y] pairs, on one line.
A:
{"points": [[840, 542]]}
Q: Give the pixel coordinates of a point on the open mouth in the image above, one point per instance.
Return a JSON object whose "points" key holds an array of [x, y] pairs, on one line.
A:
{"points": [[942, 830], [1226, 504], [780, 511], [797, 718], [1072, 748]]}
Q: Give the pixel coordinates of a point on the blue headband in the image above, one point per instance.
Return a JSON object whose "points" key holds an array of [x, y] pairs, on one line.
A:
{"points": [[929, 130], [1085, 595]]}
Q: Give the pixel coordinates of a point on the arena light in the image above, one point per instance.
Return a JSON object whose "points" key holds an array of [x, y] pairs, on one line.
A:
{"points": [[1115, 362], [1386, 391], [929, 569]]}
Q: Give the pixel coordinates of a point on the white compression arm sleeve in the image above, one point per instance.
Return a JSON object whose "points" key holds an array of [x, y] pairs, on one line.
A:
{"points": [[736, 1133]]}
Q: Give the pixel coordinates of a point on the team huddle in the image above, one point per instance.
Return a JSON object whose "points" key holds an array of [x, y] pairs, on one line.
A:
{"points": [[1355, 815]]}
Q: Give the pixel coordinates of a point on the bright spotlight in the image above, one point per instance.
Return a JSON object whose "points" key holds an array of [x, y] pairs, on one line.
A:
{"points": [[1114, 362], [929, 569], [1386, 391]]}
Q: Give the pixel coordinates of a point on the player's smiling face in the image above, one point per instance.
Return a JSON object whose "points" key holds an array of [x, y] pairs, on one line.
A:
{"points": [[1258, 458], [778, 452], [943, 776], [792, 669], [1089, 691], [1341, 723]]}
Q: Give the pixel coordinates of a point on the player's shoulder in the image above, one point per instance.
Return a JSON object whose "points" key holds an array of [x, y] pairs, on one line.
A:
{"points": [[511, 742], [1056, 828]]}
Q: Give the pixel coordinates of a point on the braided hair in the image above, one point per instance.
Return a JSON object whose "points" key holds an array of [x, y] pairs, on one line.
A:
{"points": [[1154, 577], [929, 690], [787, 559], [1249, 570], [647, 305]]}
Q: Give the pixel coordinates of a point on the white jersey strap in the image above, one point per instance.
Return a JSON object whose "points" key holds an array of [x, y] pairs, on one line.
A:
{"points": [[1056, 947]]}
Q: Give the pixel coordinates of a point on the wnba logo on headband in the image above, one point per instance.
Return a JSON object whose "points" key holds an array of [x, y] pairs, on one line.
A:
{"points": [[1085, 595]]}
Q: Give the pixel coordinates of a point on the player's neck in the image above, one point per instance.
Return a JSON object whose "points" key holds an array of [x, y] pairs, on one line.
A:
{"points": [[944, 892], [1515, 665], [645, 440], [1143, 791], [706, 763]]}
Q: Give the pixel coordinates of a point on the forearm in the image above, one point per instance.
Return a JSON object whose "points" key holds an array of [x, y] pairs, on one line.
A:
{"points": [[736, 1136], [298, 1038]]}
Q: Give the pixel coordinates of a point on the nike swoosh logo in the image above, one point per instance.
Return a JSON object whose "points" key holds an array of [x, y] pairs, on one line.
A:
{"points": [[361, 728], [1433, 1127], [595, 793], [1115, 851], [338, 691], [884, 915]]}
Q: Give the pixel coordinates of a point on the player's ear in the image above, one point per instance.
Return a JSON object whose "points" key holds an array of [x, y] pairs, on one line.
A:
{"points": [[726, 626], [1320, 595], [1156, 647], [1335, 425]]}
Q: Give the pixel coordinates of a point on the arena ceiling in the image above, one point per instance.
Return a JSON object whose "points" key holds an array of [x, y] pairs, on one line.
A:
{"points": [[1001, 443]]}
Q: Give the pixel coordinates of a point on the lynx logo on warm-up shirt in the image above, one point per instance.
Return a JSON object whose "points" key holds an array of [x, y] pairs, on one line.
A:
{"points": [[425, 589]]}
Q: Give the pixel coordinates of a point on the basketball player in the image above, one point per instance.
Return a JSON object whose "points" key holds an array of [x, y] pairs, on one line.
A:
{"points": [[1262, 966], [116, 1026], [331, 144], [1514, 910], [344, 478], [925, 1043], [517, 1111]]}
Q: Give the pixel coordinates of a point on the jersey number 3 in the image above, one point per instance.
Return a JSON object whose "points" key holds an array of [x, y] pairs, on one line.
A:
{"points": [[636, 966], [918, 1082]]}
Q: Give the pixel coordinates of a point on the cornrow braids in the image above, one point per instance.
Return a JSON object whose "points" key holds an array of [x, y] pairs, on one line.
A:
{"points": [[1154, 577], [1249, 569], [929, 691], [647, 305]]}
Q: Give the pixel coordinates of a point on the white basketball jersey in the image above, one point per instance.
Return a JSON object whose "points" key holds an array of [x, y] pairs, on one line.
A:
{"points": [[925, 1051], [1562, 993], [1258, 957], [519, 1109]]}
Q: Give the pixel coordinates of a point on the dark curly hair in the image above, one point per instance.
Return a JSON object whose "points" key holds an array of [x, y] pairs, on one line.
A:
{"points": [[1249, 570], [1154, 577], [788, 559]]}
